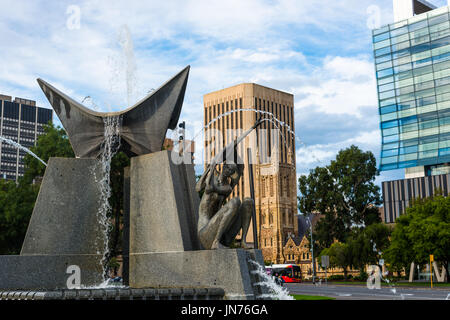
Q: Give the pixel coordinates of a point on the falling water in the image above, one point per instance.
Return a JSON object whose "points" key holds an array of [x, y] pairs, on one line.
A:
{"points": [[18, 146], [276, 292], [109, 148]]}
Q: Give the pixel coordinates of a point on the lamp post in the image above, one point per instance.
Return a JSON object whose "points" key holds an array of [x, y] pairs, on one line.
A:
{"points": [[312, 248]]}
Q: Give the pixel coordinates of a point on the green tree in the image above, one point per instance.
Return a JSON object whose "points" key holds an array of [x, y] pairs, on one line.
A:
{"points": [[53, 143], [343, 192], [423, 230], [340, 256], [399, 254], [368, 244], [16, 205]]}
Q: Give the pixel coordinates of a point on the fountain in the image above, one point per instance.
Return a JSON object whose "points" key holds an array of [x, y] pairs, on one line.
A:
{"points": [[66, 240]]}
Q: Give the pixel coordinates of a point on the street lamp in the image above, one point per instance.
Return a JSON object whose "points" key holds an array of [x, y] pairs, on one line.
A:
{"points": [[312, 248]]}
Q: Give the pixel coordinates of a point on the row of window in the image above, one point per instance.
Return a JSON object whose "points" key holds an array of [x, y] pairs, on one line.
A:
{"points": [[436, 40], [416, 148], [420, 80], [416, 156], [416, 134], [428, 61], [426, 58], [393, 30], [380, 40], [388, 46], [419, 128], [418, 98], [439, 70], [415, 111], [400, 92]]}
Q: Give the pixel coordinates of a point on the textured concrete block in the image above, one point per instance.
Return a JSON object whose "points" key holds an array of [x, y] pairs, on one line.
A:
{"points": [[228, 269], [64, 219], [47, 272], [163, 204]]}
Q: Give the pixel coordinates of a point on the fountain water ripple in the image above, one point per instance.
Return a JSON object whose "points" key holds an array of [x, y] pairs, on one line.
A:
{"points": [[19, 146]]}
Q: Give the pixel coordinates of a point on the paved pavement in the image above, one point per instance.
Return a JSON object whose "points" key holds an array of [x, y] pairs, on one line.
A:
{"points": [[358, 292]]}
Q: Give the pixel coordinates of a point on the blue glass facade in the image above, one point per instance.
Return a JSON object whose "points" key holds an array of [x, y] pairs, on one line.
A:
{"points": [[412, 62]]}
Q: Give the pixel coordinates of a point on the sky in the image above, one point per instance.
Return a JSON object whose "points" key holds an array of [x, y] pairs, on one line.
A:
{"points": [[110, 54]]}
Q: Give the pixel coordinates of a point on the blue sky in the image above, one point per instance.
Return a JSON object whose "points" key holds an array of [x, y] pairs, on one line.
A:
{"points": [[319, 50]]}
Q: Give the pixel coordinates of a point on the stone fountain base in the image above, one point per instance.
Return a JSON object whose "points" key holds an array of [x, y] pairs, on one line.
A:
{"points": [[227, 269], [117, 294], [44, 272]]}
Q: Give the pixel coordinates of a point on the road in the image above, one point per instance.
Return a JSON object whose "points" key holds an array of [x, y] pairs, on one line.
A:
{"points": [[358, 292]]}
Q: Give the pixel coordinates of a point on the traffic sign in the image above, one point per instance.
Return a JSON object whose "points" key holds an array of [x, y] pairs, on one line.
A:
{"points": [[325, 261]]}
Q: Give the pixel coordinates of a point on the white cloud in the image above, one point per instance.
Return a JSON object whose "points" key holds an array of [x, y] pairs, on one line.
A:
{"points": [[342, 85], [226, 42]]}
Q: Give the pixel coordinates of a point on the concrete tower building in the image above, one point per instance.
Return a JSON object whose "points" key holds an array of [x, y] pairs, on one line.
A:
{"points": [[273, 158], [21, 121]]}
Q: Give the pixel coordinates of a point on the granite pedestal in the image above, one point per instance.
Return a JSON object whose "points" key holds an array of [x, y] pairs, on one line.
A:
{"points": [[63, 230], [164, 250]]}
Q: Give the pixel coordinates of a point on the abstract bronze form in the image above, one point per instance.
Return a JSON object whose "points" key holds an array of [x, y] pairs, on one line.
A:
{"points": [[219, 220], [143, 125]]}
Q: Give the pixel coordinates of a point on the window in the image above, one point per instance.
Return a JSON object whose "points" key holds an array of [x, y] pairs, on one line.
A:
{"points": [[381, 37], [271, 186], [438, 20]]}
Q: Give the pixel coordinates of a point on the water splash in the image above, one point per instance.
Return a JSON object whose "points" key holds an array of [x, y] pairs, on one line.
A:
{"points": [[268, 116], [126, 43], [276, 292], [19, 146], [109, 148], [91, 103], [108, 283]]}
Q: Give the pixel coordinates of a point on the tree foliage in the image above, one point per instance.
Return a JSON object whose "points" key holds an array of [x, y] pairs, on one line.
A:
{"points": [[368, 244], [16, 205], [53, 143], [423, 230], [343, 192], [340, 256], [364, 246]]}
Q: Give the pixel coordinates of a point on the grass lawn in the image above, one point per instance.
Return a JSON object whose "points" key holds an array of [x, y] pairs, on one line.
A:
{"points": [[306, 297]]}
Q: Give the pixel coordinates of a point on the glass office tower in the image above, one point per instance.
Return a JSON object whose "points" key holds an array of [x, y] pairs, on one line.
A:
{"points": [[412, 59], [412, 62]]}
